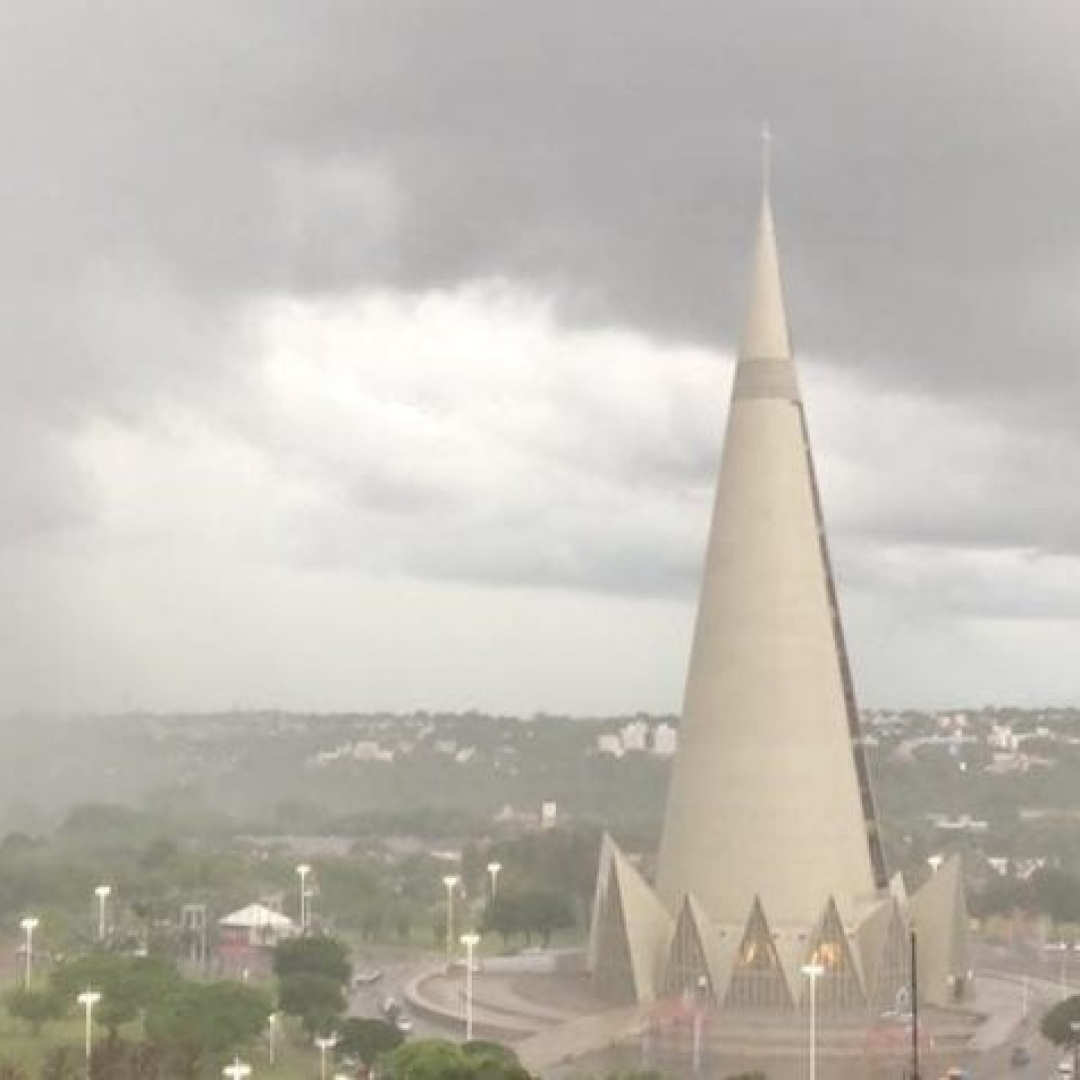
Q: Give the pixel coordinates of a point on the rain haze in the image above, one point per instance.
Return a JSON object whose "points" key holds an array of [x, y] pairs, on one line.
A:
{"points": [[360, 355]]}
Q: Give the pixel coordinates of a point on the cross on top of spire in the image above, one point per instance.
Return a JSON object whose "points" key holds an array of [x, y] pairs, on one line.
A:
{"points": [[766, 158]]}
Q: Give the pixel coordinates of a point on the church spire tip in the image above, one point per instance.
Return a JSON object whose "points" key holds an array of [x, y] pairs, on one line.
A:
{"points": [[766, 161]]}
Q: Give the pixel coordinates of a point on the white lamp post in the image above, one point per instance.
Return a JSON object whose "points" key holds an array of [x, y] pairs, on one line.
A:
{"points": [[102, 892], [237, 1070], [450, 881], [470, 941], [88, 999], [813, 972], [302, 871], [493, 869], [29, 925], [325, 1043], [271, 1024]]}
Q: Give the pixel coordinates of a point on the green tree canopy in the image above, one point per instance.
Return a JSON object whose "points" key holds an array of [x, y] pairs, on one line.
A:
{"points": [[528, 912], [1056, 1025], [437, 1059], [315, 999], [34, 1006], [368, 1039], [126, 983], [325, 956], [207, 1019]]}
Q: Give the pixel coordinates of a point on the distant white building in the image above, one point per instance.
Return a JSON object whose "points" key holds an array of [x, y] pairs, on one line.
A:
{"points": [[610, 742], [371, 751], [665, 740], [1002, 737], [635, 736]]}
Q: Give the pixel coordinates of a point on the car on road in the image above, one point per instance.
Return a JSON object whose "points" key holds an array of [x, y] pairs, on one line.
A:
{"points": [[367, 977], [1020, 1055]]}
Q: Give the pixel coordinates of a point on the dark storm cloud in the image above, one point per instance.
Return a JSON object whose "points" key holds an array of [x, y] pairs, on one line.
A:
{"points": [[924, 157], [164, 164]]}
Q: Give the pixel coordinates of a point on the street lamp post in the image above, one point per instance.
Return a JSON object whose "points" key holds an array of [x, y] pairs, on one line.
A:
{"points": [[302, 871], [470, 941], [272, 1022], [493, 869], [450, 881], [88, 999], [29, 925], [1075, 1027], [702, 990], [102, 892], [325, 1043], [813, 972], [238, 1070]]}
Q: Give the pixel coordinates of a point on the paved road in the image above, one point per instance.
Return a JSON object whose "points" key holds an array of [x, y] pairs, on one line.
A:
{"points": [[366, 1000], [1026, 971]]}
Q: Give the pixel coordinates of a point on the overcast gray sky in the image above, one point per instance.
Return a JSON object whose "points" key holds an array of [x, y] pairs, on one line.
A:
{"points": [[360, 355]]}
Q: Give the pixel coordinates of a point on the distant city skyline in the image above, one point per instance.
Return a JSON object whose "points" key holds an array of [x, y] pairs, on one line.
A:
{"points": [[376, 356]]}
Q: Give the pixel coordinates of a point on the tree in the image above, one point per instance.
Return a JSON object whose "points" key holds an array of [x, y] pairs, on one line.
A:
{"points": [[202, 1020], [1056, 1025], [316, 999], [532, 911], [367, 1039], [34, 1006], [1056, 893], [325, 956], [126, 983], [437, 1059], [503, 915], [547, 911]]}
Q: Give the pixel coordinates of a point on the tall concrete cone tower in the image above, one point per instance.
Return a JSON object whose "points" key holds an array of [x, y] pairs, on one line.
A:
{"points": [[770, 857], [769, 780]]}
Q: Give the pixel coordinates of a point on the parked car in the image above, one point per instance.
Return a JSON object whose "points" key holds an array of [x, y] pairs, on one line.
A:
{"points": [[1020, 1055]]}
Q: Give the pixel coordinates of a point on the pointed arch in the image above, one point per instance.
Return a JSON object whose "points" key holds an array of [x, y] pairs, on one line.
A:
{"points": [[613, 973], [687, 969], [840, 987], [757, 977]]}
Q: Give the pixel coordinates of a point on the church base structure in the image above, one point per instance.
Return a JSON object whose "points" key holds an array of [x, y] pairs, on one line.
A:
{"points": [[854, 1049], [848, 966]]}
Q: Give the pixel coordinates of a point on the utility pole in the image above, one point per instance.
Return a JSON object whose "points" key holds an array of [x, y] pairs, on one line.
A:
{"points": [[914, 1007]]}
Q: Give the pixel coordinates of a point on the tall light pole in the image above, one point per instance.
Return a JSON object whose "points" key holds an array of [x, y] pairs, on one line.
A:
{"points": [[302, 872], [699, 1019], [450, 881], [102, 892], [272, 1022], [493, 869], [325, 1043], [238, 1070], [470, 941], [88, 999], [29, 925], [813, 972]]}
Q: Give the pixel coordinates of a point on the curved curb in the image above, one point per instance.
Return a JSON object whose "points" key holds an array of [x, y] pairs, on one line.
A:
{"points": [[440, 1014]]}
